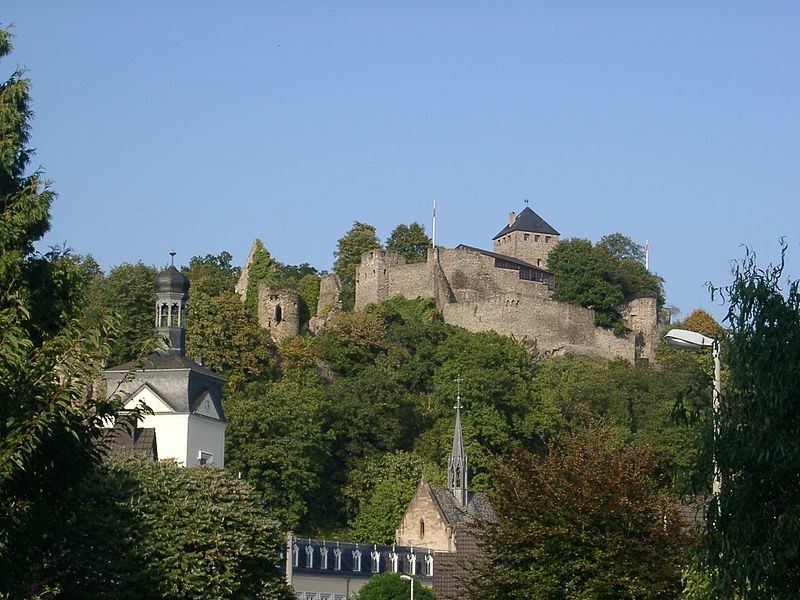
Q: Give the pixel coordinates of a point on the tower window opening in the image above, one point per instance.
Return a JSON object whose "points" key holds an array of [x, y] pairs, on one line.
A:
{"points": [[164, 321], [278, 314]]}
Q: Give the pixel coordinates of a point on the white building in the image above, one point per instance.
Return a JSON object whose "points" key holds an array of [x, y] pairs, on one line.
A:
{"points": [[185, 398]]}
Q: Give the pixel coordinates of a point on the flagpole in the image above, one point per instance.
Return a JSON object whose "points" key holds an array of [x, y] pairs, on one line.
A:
{"points": [[433, 230], [647, 254]]}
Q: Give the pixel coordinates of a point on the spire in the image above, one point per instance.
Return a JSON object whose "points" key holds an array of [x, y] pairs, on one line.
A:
{"points": [[457, 466]]}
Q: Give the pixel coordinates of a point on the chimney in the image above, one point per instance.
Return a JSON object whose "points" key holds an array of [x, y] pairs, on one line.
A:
{"points": [[512, 216]]}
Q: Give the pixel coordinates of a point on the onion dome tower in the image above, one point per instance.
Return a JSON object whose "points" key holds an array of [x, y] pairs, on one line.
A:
{"points": [[172, 291]]}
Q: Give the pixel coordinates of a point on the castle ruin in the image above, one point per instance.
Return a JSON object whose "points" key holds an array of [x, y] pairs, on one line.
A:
{"points": [[509, 291]]}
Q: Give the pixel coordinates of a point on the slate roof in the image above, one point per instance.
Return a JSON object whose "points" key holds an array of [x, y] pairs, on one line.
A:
{"points": [[504, 257], [478, 507], [165, 359], [528, 220], [171, 280], [121, 440]]}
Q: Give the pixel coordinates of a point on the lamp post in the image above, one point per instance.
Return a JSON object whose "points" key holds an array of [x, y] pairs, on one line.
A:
{"points": [[683, 339], [411, 579]]}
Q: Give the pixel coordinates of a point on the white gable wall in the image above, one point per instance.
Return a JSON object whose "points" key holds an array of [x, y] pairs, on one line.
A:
{"points": [[207, 435], [172, 435], [148, 397]]}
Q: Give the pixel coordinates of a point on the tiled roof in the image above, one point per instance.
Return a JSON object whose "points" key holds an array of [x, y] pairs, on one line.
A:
{"points": [[478, 507], [121, 440], [528, 220]]}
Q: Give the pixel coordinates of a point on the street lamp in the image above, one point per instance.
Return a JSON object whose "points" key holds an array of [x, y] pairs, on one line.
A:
{"points": [[683, 339], [411, 579]]}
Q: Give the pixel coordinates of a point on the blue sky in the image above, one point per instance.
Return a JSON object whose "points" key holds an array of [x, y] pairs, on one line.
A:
{"points": [[200, 126]]}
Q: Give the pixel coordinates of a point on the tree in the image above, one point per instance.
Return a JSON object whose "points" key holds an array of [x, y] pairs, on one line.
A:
{"points": [[380, 489], [389, 586], [349, 249], [141, 529], [276, 440], [50, 421], [221, 332], [410, 241], [621, 247], [587, 519], [128, 292], [750, 546], [212, 274]]}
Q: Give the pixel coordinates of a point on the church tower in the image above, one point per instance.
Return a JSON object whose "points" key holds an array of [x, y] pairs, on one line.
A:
{"points": [[457, 466], [172, 291]]}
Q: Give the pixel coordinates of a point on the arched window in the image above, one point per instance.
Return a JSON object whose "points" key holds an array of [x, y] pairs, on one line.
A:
{"points": [[337, 559], [356, 560], [278, 314], [428, 565], [309, 557], [393, 561], [295, 555], [323, 557], [164, 316], [375, 563], [412, 562], [421, 528]]}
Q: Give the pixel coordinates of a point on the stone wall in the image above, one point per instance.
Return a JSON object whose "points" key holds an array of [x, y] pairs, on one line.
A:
{"points": [[278, 311], [437, 535], [473, 293]]}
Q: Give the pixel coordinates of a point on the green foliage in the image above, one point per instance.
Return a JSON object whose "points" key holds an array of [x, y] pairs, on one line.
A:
{"points": [[127, 292], [584, 520], [308, 288], [750, 547], [379, 490], [349, 249], [228, 339], [276, 440], [155, 530], [262, 268], [212, 274], [389, 586], [602, 277], [621, 247], [410, 241]]}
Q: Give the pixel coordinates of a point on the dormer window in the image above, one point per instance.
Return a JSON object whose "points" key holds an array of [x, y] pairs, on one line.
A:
{"points": [[427, 568], [356, 560], [323, 557], [295, 555], [337, 559], [375, 562], [393, 561]]}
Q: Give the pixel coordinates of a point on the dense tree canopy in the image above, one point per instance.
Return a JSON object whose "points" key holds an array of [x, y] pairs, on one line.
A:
{"points": [[156, 530], [409, 241], [751, 546], [602, 276], [349, 249], [586, 519]]}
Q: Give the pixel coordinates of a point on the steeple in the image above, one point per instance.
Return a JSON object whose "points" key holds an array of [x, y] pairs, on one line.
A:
{"points": [[172, 290], [457, 466]]}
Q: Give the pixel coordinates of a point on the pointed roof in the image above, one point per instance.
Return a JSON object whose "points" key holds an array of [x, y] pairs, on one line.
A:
{"points": [[457, 468], [528, 220]]}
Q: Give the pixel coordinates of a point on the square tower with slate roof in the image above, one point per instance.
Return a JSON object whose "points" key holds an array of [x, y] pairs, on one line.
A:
{"points": [[527, 237]]}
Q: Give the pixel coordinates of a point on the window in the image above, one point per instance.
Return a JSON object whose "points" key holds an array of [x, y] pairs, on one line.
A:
{"points": [[427, 568], [393, 561], [278, 314], [337, 559], [412, 562], [205, 458], [309, 557], [421, 528], [356, 560], [525, 237], [538, 262], [323, 557], [547, 239], [536, 238], [295, 555], [375, 561]]}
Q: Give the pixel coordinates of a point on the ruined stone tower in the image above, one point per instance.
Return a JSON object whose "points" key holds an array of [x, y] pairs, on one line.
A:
{"points": [[527, 237], [278, 311]]}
